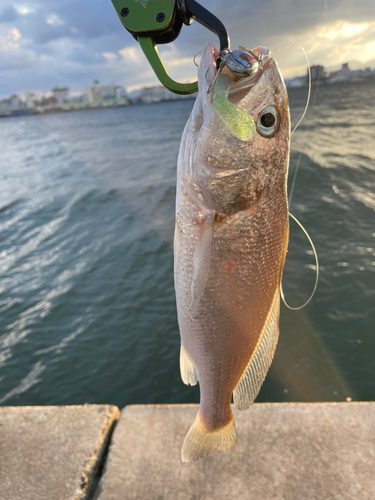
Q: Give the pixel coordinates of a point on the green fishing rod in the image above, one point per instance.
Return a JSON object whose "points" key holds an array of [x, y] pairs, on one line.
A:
{"points": [[154, 22]]}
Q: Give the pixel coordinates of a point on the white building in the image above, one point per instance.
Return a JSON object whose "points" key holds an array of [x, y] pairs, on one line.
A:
{"points": [[100, 92], [109, 91], [155, 94], [13, 102], [31, 99], [94, 93], [120, 93], [342, 75], [61, 94]]}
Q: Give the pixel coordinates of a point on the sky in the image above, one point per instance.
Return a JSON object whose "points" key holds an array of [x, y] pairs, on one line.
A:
{"points": [[73, 42]]}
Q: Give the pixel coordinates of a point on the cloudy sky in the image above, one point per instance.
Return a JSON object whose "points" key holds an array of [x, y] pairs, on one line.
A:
{"points": [[73, 42]]}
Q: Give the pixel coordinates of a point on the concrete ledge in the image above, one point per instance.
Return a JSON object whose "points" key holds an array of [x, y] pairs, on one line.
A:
{"points": [[301, 451], [49, 453]]}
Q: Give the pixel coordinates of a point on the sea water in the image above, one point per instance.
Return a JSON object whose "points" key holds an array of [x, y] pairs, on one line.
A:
{"points": [[87, 305]]}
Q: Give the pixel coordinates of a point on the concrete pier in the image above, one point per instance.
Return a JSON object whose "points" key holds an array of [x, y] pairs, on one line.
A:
{"points": [[53, 453], [296, 451]]}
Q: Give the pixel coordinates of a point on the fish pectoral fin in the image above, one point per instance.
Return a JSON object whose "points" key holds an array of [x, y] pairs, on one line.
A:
{"points": [[188, 370], [204, 232], [252, 379], [200, 440]]}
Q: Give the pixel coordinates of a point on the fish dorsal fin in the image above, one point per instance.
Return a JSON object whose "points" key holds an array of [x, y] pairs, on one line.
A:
{"points": [[188, 370], [252, 379]]}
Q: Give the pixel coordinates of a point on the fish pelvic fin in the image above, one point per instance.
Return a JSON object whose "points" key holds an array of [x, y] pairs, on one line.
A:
{"points": [[188, 370], [253, 377], [201, 440]]}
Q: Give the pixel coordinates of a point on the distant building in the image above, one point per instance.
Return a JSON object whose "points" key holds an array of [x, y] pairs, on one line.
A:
{"points": [[317, 73], [109, 91], [61, 94], [297, 82], [78, 98], [49, 102], [100, 92], [345, 71], [15, 102], [342, 75], [94, 93], [155, 94], [31, 99], [12, 103], [120, 92]]}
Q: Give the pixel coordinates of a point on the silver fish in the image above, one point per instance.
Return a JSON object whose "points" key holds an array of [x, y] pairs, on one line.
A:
{"points": [[231, 237]]}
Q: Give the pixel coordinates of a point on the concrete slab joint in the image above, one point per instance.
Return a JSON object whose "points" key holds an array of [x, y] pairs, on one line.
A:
{"points": [[51, 452], [296, 451]]}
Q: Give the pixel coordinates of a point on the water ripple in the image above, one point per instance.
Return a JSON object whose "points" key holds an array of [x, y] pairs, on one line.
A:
{"points": [[86, 262]]}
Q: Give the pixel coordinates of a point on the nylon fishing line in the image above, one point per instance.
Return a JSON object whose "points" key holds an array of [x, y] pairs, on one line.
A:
{"points": [[294, 183], [317, 270]]}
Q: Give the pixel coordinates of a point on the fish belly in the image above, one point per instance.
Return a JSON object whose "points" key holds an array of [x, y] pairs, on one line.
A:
{"points": [[221, 332]]}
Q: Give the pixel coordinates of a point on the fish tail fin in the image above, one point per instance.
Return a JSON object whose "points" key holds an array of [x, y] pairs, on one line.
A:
{"points": [[201, 440]]}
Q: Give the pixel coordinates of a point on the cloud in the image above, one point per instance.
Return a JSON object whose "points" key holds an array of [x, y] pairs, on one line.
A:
{"points": [[46, 21], [131, 54], [72, 42], [330, 44], [342, 30], [9, 39], [14, 57], [8, 14], [23, 10], [54, 20], [109, 56], [347, 41]]}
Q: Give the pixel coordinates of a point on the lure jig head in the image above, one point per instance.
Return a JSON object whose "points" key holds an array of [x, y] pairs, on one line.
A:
{"points": [[242, 63], [160, 21]]}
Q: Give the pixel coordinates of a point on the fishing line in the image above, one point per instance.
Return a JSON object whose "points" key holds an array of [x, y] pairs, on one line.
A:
{"points": [[195, 58], [317, 270], [294, 183], [309, 78], [294, 178], [212, 85]]}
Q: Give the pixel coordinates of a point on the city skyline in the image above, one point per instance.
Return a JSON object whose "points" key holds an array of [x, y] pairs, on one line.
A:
{"points": [[83, 92], [66, 44]]}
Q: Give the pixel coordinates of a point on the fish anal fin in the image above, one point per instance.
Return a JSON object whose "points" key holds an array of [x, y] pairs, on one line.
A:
{"points": [[189, 373], [253, 377], [200, 440]]}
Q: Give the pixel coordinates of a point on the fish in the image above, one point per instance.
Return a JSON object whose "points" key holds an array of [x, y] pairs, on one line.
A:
{"points": [[230, 243]]}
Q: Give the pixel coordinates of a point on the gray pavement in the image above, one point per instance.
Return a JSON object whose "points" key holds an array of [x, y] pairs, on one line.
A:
{"points": [[297, 451], [51, 452]]}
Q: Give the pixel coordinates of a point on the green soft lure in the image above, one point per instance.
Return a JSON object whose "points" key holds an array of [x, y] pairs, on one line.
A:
{"points": [[238, 122]]}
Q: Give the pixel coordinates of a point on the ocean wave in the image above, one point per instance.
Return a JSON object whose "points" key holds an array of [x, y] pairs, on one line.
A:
{"points": [[10, 205], [29, 381], [87, 263]]}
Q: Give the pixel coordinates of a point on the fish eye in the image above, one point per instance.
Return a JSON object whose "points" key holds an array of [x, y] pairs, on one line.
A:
{"points": [[268, 122]]}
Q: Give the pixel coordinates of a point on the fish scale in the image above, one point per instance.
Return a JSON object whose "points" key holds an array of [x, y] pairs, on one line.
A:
{"points": [[230, 244]]}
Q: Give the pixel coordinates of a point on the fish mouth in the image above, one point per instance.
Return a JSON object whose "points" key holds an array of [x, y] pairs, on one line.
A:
{"points": [[240, 87]]}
